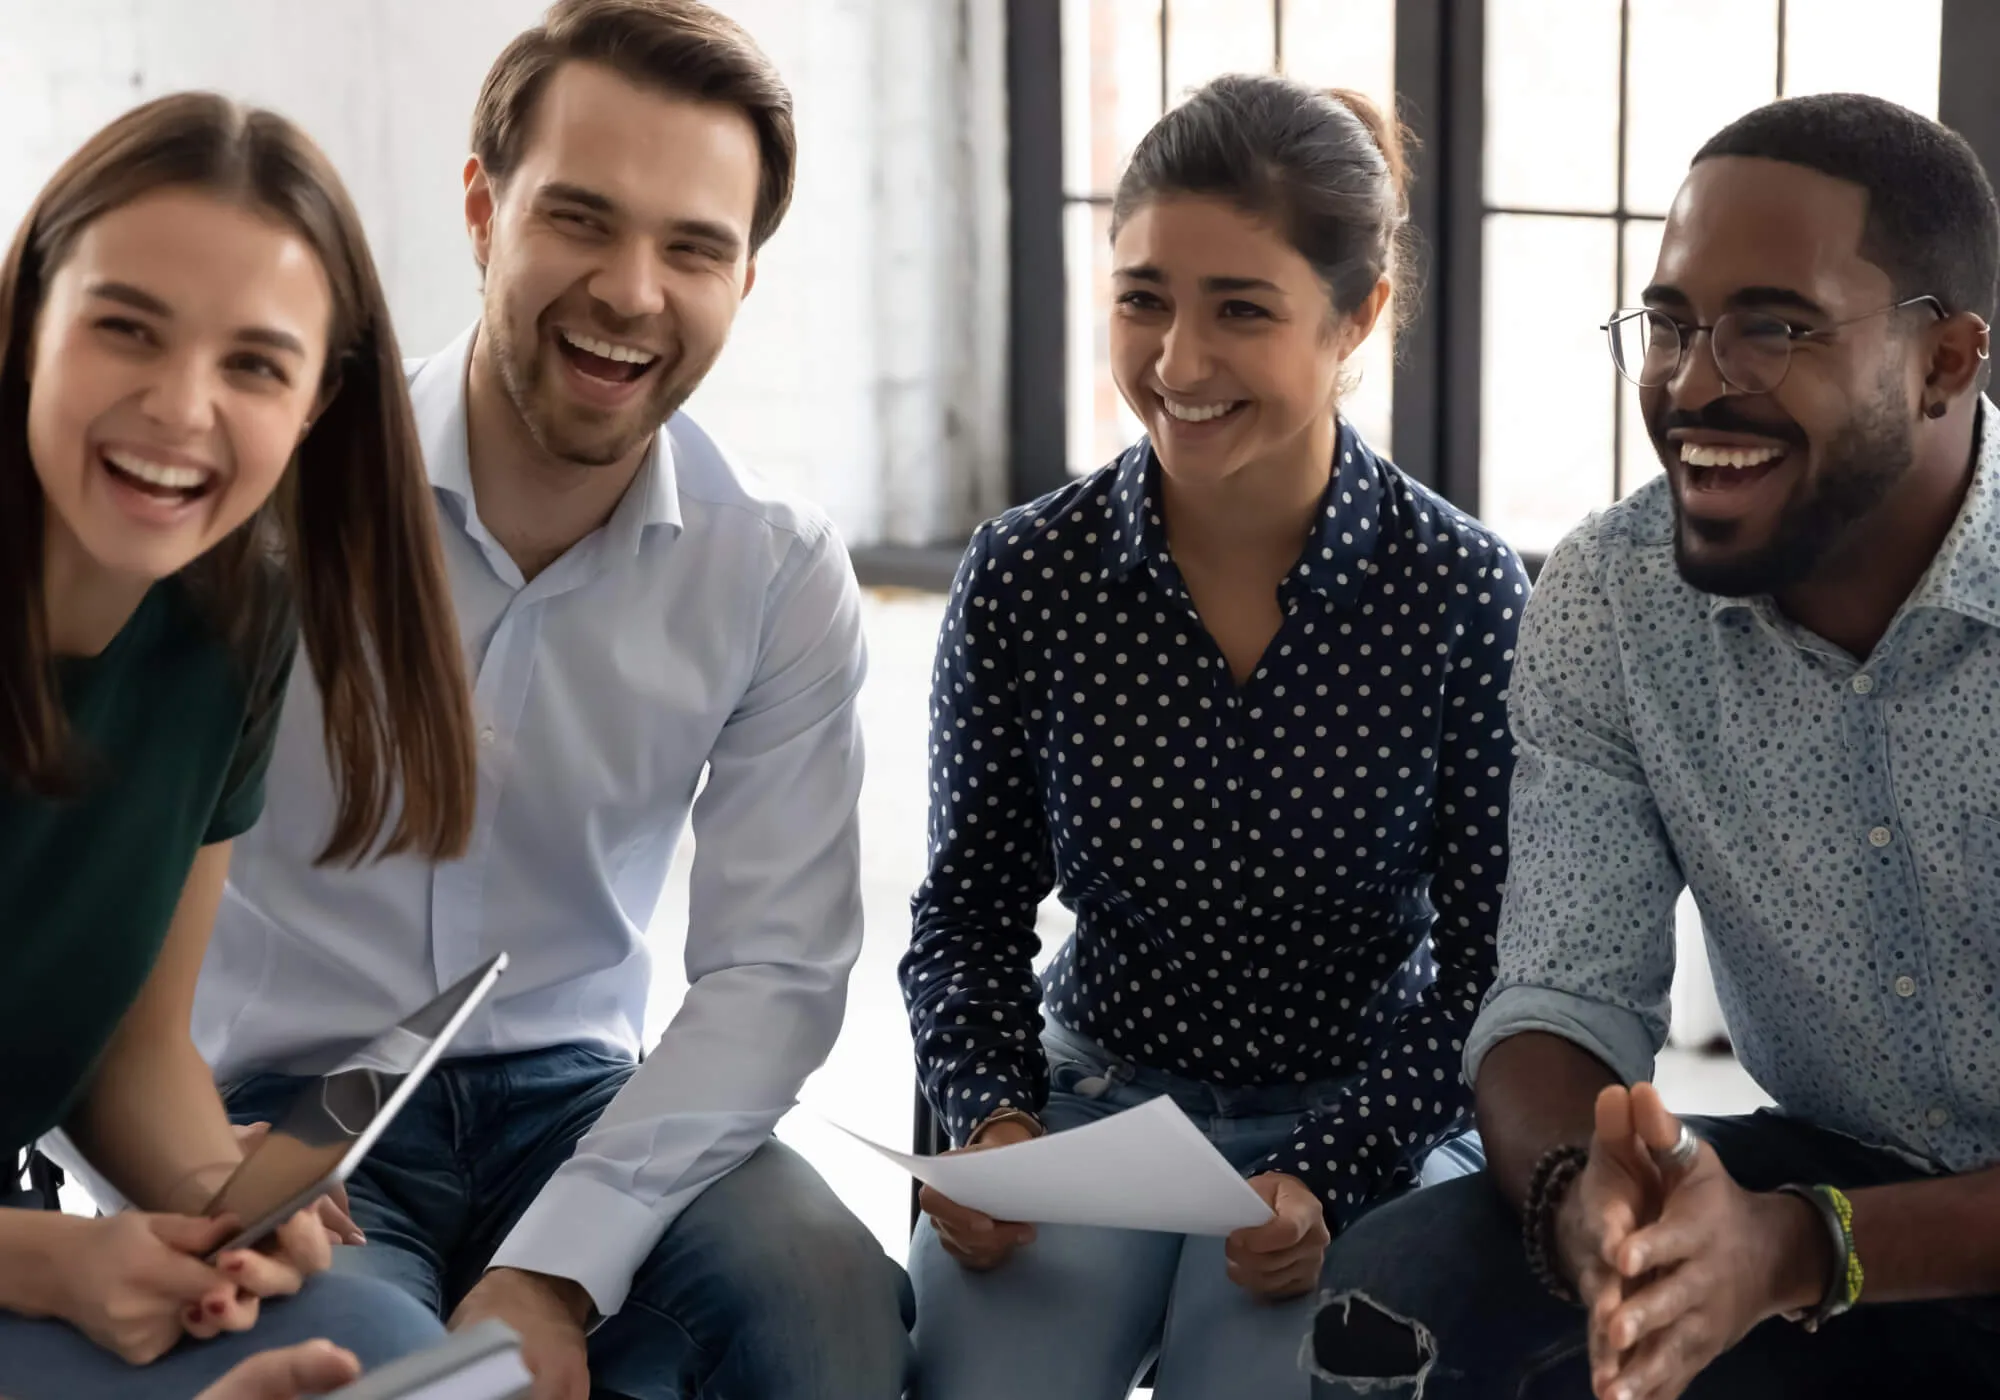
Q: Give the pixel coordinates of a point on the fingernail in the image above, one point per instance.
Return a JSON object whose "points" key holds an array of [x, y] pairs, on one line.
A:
{"points": [[216, 1307], [192, 1315], [232, 1263]]}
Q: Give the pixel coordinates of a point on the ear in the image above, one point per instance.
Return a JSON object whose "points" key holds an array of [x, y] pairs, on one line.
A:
{"points": [[1958, 357], [750, 275], [481, 201], [1359, 324]]}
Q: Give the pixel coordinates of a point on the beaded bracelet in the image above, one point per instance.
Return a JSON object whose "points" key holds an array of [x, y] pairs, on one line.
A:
{"points": [[1844, 1280], [1550, 1182]]}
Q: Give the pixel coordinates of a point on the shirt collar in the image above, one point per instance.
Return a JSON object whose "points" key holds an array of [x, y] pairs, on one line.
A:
{"points": [[437, 395], [1337, 558], [1965, 575]]}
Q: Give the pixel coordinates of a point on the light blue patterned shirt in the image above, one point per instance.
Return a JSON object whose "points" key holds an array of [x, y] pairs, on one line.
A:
{"points": [[1837, 820]]}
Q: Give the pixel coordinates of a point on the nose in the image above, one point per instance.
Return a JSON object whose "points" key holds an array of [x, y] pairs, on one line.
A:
{"points": [[1184, 357], [181, 395], [629, 282], [1697, 379]]}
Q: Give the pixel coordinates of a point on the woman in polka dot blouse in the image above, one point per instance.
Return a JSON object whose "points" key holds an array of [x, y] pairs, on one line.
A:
{"points": [[1240, 695]]}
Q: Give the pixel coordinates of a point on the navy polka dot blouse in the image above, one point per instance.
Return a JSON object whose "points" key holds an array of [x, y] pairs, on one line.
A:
{"points": [[1294, 880]]}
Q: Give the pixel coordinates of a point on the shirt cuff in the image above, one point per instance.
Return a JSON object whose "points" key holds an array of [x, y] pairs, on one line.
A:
{"points": [[584, 1231], [1626, 1041]]}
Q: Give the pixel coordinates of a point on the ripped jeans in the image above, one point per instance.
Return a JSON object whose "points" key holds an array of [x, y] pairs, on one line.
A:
{"points": [[1081, 1313], [1433, 1298]]}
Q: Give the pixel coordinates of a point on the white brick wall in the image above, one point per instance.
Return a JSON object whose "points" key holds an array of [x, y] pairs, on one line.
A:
{"points": [[867, 368]]}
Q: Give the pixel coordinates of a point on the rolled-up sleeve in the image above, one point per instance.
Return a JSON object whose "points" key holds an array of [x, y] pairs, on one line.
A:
{"points": [[1586, 942]]}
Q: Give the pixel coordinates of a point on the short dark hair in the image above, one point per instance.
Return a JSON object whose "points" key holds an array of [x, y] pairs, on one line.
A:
{"points": [[1326, 168], [1932, 224], [677, 46]]}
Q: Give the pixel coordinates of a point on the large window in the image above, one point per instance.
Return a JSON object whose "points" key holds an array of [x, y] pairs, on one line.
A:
{"points": [[1124, 63], [1593, 108]]}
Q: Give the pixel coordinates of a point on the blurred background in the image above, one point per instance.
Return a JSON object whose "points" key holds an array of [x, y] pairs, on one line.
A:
{"points": [[926, 342]]}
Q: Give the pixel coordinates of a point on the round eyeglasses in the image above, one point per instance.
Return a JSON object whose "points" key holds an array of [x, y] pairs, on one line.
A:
{"points": [[1752, 349]]}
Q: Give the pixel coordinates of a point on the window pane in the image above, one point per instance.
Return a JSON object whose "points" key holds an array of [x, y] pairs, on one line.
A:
{"points": [[1111, 87], [1100, 426], [1694, 66], [1206, 38], [1552, 67], [1342, 44], [1853, 46], [1545, 433], [1638, 463]]}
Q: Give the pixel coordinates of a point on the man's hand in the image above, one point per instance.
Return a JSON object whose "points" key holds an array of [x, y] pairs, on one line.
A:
{"points": [[1281, 1258], [332, 1208], [1718, 1261], [310, 1368], [1617, 1192], [977, 1241], [549, 1314]]}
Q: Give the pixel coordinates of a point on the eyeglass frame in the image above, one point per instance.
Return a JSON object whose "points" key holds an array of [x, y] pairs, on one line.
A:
{"points": [[1793, 335]]}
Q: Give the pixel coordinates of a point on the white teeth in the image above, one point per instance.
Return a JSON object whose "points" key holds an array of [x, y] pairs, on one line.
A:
{"points": [[157, 473], [1196, 413], [1701, 454], [604, 349]]}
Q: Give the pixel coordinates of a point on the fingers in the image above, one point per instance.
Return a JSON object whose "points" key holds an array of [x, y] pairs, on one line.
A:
{"points": [[248, 1135], [1270, 1275], [1660, 1304], [978, 1241], [1276, 1235], [1668, 1241], [337, 1214], [177, 1271], [263, 1275], [303, 1242], [310, 1368], [192, 1234], [1661, 1367], [229, 1309]]}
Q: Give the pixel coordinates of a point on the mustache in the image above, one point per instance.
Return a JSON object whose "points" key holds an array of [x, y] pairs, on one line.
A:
{"points": [[1720, 416]]}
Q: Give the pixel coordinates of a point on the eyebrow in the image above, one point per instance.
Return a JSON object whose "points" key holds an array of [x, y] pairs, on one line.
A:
{"points": [[720, 234], [1760, 297], [1146, 272], [125, 294]]}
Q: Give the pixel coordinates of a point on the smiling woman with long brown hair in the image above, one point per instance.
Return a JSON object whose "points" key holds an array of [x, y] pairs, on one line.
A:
{"points": [[206, 453]]}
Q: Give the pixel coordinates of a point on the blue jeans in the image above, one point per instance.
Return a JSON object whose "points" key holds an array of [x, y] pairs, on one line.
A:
{"points": [[766, 1286], [1082, 1312], [1452, 1265], [42, 1360]]}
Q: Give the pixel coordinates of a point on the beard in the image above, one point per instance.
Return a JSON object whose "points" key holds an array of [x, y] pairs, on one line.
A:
{"points": [[1859, 466], [577, 433]]}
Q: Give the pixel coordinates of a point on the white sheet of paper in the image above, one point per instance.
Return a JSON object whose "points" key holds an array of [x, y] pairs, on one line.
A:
{"points": [[1147, 1168]]}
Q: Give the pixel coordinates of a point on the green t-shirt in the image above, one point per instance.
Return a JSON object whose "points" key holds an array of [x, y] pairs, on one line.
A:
{"points": [[171, 733]]}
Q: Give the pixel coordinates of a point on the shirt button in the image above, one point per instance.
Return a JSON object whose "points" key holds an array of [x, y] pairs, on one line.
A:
{"points": [[1863, 684], [1937, 1118], [1880, 837], [486, 736], [1906, 986]]}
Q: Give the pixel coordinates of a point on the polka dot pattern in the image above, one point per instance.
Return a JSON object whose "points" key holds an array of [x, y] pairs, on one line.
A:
{"points": [[1838, 820], [1290, 881]]}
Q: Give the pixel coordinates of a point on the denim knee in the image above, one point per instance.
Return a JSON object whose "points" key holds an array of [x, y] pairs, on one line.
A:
{"points": [[375, 1320], [1431, 1294]]}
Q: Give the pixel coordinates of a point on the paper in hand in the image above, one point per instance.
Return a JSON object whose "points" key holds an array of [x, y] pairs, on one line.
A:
{"points": [[1147, 1168]]}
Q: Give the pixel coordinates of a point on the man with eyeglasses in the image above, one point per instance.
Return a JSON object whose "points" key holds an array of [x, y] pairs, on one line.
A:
{"points": [[1772, 676]]}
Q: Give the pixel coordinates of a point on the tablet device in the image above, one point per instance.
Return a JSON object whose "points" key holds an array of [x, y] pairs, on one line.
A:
{"points": [[481, 1363], [338, 1116]]}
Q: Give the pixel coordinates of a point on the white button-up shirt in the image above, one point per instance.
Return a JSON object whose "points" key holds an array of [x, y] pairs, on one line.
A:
{"points": [[708, 625]]}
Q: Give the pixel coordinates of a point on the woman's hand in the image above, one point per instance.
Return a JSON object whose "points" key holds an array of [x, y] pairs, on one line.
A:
{"points": [[310, 1368], [1281, 1258], [977, 1241], [135, 1283]]}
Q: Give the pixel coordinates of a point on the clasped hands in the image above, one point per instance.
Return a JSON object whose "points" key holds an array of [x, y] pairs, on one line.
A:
{"points": [[1675, 1266], [1277, 1260]]}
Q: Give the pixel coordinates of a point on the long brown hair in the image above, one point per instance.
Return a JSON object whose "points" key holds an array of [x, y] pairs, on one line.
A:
{"points": [[351, 519]]}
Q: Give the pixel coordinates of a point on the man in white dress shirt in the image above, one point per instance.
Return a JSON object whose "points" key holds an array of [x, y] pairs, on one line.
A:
{"points": [[636, 612]]}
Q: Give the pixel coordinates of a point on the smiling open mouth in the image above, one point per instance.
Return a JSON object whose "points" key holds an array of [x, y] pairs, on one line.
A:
{"points": [[604, 359], [157, 479], [1721, 468], [1198, 414]]}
